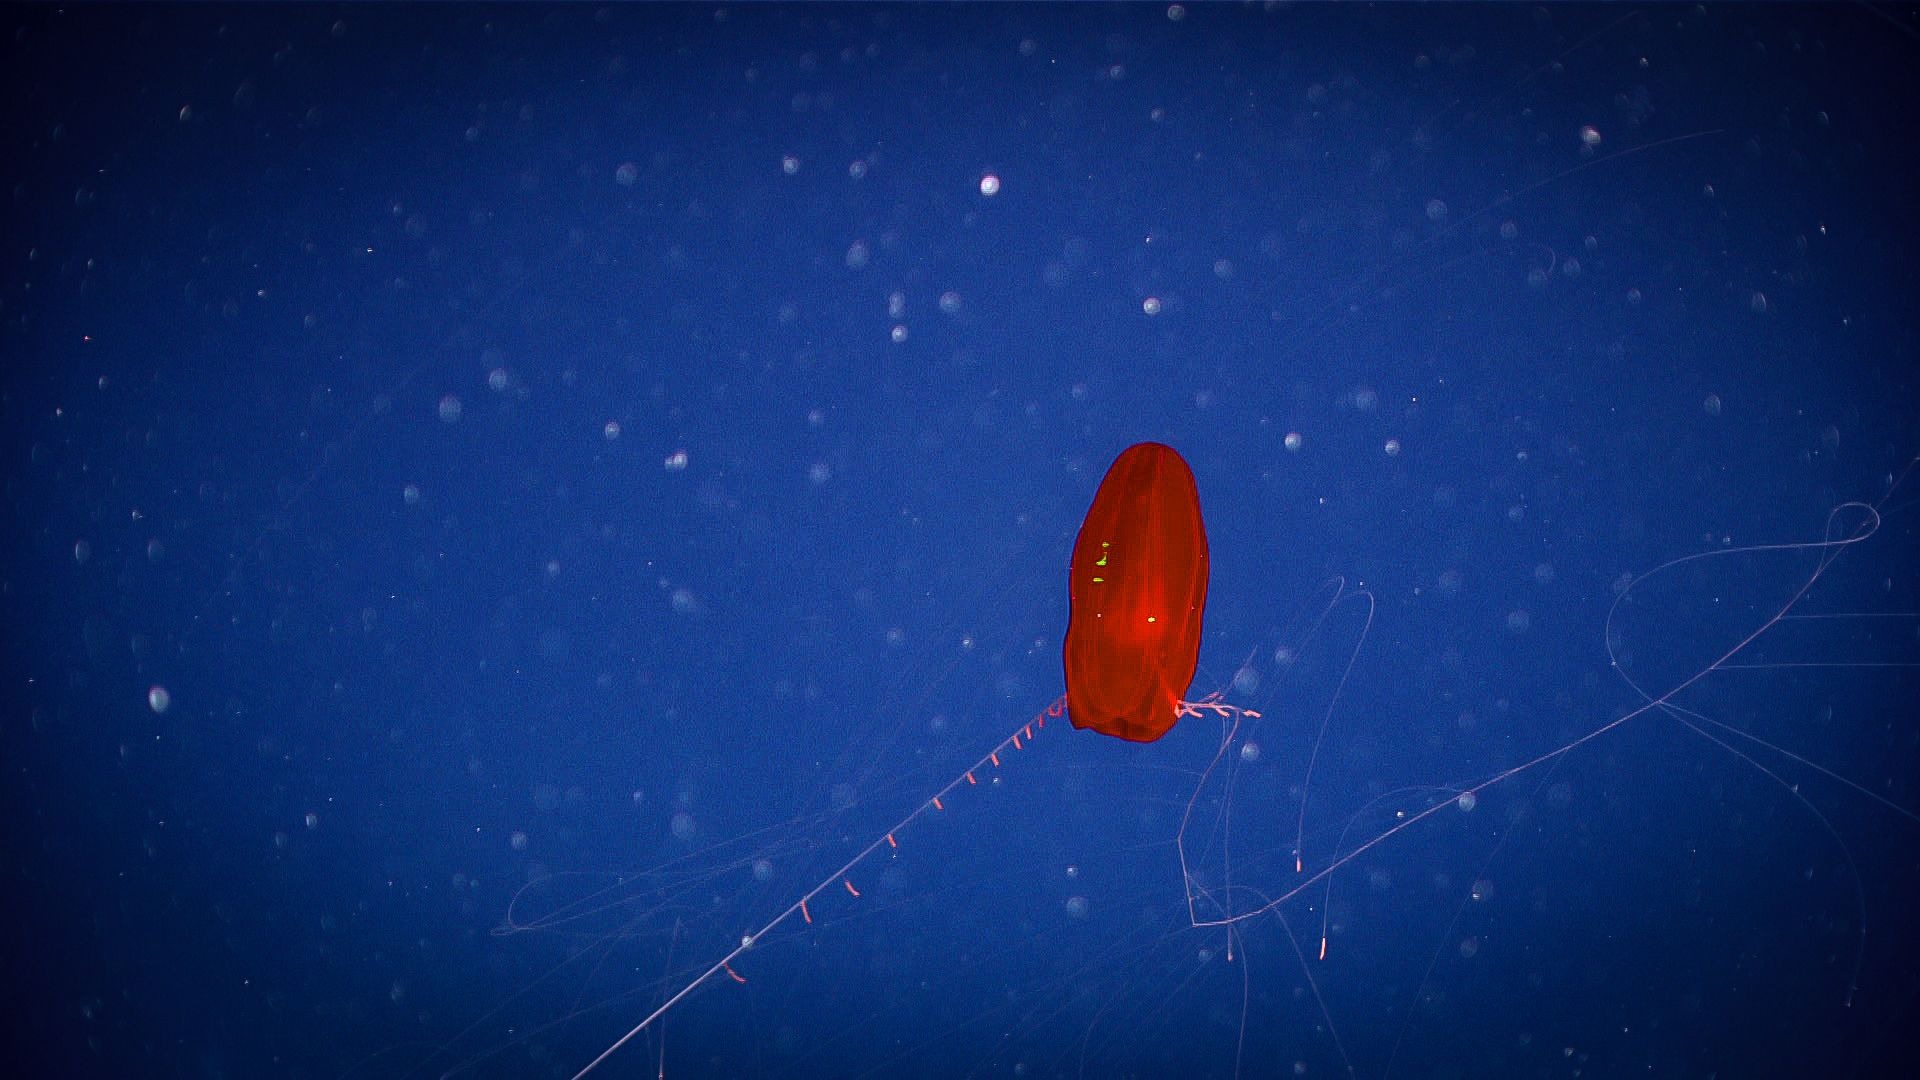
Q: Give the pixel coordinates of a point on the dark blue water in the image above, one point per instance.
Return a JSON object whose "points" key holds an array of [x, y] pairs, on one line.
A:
{"points": [[501, 502]]}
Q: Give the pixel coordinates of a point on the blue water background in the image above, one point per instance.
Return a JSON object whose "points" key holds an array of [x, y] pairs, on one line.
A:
{"points": [[502, 501]]}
